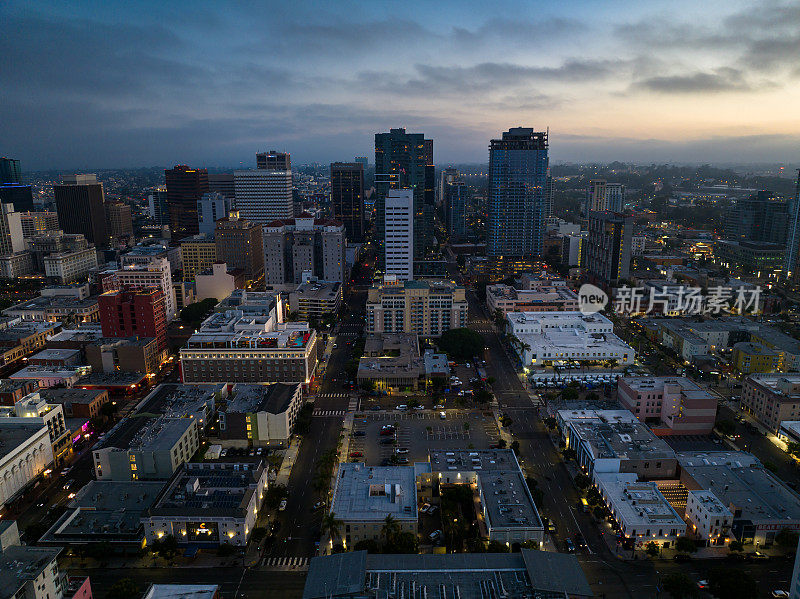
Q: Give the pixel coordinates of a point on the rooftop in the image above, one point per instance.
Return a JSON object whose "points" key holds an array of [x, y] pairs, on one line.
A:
{"points": [[318, 290], [615, 438], [637, 503], [754, 349], [370, 493], [216, 489], [20, 564], [60, 302], [176, 400], [181, 591], [274, 399], [710, 502], [13, 434]]}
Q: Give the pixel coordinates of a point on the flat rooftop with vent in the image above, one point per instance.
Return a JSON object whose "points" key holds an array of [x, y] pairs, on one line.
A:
{"points": [[105, 511], [208, 504]]}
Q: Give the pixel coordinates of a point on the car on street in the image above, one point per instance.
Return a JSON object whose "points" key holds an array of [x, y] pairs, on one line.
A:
{"points": [[356, 454], [424, 509], [282, 505], [402, 450], [443, 415], [402, 460], [67, 484], [319, 504], [432, 509], [40, 504], [438, 406], [570, 546], [435, 535], [375, 408], [781, 594], [551, 527], [419, 407], [401, 408], [702, 584], [758, 555], [580, 541]]}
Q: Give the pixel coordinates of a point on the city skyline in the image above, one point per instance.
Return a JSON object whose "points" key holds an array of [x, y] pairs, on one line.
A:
{"points": [[102, 87]]}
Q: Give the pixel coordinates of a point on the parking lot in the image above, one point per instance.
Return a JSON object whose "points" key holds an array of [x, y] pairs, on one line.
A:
{"points": [[418, 432]]}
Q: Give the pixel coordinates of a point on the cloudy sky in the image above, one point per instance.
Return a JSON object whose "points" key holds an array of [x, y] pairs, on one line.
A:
{"points": [[122, 84]]}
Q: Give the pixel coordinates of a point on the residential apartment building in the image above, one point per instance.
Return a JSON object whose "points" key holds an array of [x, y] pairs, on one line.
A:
{"points": [[772, 398], [134, 313], [399, 239], [425, 308], [29, 572], [607, 248], [35, 409], [155, 273], [301, 245], [261, 414], [709, 518]]}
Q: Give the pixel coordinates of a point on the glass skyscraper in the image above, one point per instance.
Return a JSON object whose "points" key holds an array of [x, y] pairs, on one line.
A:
{"points": [[517, 194]]}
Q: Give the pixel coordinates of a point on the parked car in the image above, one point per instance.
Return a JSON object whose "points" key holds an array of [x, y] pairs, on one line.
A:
{"points": [[402, 450], [319, 505], [570, 546], [356, 454], [359, 433], [401, 408], [387, 441], [402, 460], [780, 594], [435, 535], [443, 415], [702, 584], [432, 509], [438, 406], [424, 509], [282, 505]]}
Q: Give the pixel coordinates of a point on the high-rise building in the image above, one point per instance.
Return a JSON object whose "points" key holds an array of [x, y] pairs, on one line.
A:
{"points": [[36, 223], [274, 161], [304, 244], [157, 205], [363, 160], [615, 197], [11, 238], [518, 166], [223, 184], [401, 161], [80, 203], [185, 186], [596, 196], [212, 207], [136, 276], [759, 218], [120, 222], [454, 200], [10, 171], [791, 264], [264, 195], [139, 313], [399, 240], [19, 195], [198, 253], [608, 247], [347, 198], [240, 244], [548, 195]]}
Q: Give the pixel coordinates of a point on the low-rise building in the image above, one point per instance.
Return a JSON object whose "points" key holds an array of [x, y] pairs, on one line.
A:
{"points": [[13, 266], [506, 298], [105, 511], [772, 398], [529, 573], [19, 339], [180, 401], [209, 504], [56, 357], [615, 441], [540, 338], [77, 403], [50, 376], [642, 512], [261, 414], [12, 391], [315, 299], [182, 591], [35, 409], [365, 495], [670, 405], [28, 572], [25, 453], [69, 266], [128, 354], [146, 448], [391, 362], [217, 281], [749, 357], [709, 518]]}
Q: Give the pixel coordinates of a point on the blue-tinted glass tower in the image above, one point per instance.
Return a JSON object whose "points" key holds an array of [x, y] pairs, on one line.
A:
{"points": [[517, 194]]}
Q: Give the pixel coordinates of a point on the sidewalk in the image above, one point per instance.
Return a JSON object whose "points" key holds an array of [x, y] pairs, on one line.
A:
{"points": [[289, 458]]}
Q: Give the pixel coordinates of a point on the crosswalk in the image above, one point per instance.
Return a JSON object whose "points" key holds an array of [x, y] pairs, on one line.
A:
{"points": [[353, 405], [332, 395], [286, 563], [328, 413]]}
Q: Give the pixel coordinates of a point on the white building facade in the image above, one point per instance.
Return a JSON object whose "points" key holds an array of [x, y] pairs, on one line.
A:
{"points": [[263, 196], [399, 242]]}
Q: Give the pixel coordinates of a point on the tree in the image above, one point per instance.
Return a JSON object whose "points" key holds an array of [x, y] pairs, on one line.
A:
{"points": [[497, 547], [368, 545], [569, 394], [125, 588], [732, 583], [506, 421], [108, 410], [550, 423], [736, 546], [582, 481], [165, 547], [462, 344], [786, 539], [390, 528], [726, 427], [651, 548], [330, 525], [501, 443], [194, 314], [275, 494], [404, 542], [680, 586], [515, 447], [499, 318], [685, 545]]}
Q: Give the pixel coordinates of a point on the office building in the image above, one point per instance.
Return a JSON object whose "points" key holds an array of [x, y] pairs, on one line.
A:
{"points": [[13, 266], [185, 187], [791, 263], [607, 249], [36, 223], [212, 207], [11, 238], [545, 338], [542, 298], [615, 197], [158, 206], [240, 245], [669, 405], [34, 409], [347, 198], [529, 573], [518, 166], [755, 258], [207, 505], [77, 403], [10, 171], [301, 245], [80, 203], [146, 449], [596, 196], [401, 162], [391, 362], [28, 572], [641, 511], [148, 250], [26, 452], [120, 223], [223, 185], [143, 355], [56, 304], [454, 199], [20, 196], [261, 415], [156, 273], [425, 308], [134, 313], [66, 267], [749, 358], [198, 253], [313, 300], [615, 441], [759, 218], [108, 512], [274, 161], [399, 234], [19, 339], [236, 347], [263, 195]]}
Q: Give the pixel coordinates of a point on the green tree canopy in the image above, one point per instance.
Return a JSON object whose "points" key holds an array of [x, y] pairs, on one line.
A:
{"points": [[124, 588], [679, 586], [462, 344], [195, 313]]}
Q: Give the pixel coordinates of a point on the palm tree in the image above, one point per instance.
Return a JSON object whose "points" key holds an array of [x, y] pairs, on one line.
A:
{"points": [[330, 525], [390, 528]]}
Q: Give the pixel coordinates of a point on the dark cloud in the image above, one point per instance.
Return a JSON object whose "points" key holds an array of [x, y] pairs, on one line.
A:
{"points": [[721, 80]]}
